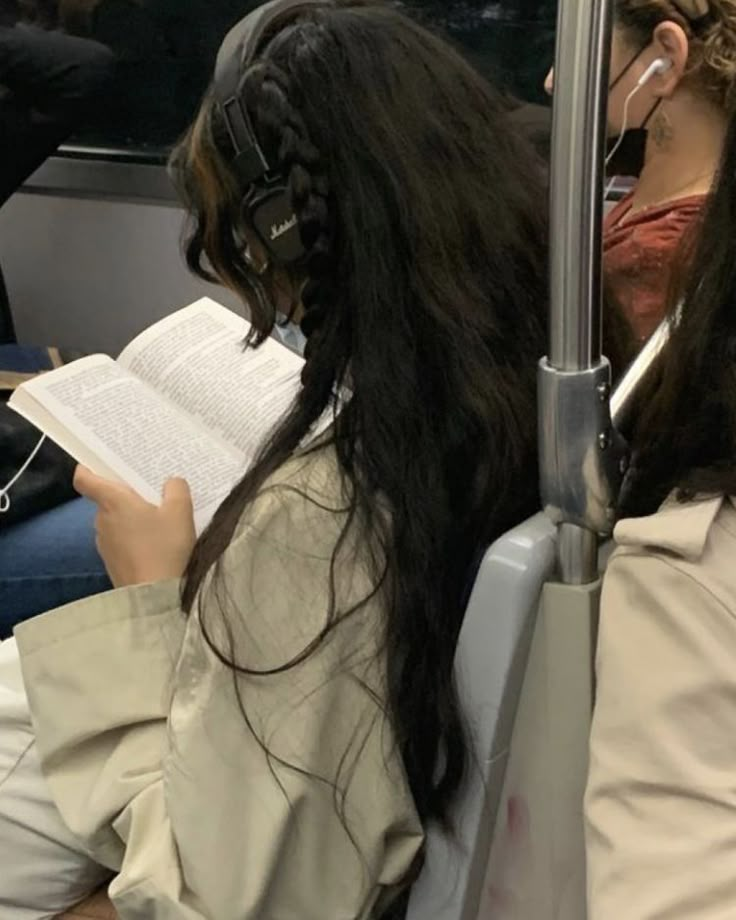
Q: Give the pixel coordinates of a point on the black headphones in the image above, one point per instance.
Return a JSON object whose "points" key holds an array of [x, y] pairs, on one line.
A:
{"points": [[267, 201]]}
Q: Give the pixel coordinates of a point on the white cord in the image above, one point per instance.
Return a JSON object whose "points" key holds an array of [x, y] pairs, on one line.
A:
{"points": [[621, 136], [4, 496]]}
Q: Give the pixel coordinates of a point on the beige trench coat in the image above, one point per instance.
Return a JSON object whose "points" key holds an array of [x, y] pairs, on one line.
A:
{"points": [[661, 799], [149, 757]]}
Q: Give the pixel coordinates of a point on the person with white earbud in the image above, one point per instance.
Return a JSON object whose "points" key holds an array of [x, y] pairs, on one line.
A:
{"points": [[671, 95]]}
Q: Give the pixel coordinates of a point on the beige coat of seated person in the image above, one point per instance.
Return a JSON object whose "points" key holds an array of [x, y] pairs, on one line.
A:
{"points": [[151, 763], [661, 800]]}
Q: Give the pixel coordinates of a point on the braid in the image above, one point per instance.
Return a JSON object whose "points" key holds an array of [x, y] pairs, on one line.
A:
{"points": [[282, 129]]}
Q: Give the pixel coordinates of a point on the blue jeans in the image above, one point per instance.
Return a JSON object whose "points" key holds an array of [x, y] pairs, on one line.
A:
{"points": [[49, 561]]}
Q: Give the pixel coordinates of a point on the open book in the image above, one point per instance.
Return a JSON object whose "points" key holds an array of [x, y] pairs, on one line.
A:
{"points": [[183, 399]]}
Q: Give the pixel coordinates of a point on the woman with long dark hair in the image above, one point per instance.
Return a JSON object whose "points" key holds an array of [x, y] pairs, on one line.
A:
{"points": [[273, 735], [661, 805]]}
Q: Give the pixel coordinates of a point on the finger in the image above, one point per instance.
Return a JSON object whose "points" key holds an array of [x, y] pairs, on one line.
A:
{"points": [[101, 548], [99, 490], [89, 484], [177, 492], [102, 552]]}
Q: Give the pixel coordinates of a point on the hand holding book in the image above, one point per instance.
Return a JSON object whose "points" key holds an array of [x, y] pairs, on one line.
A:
{"points": [[140, 543], [184, 399]]}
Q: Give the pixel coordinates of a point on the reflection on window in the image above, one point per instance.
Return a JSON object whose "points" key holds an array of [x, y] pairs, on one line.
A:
{"points": [[510, 41], [166, 51]]}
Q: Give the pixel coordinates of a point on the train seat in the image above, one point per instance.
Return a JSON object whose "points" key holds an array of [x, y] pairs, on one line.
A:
{"points": [[491, 663], [525, 673]]}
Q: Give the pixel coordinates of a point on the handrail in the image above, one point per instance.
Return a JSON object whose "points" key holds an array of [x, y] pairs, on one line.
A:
{"points": [[576, 207], [578, 459]]}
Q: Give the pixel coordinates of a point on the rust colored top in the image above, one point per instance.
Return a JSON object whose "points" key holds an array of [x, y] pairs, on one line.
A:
{"points": [[640, 254]]}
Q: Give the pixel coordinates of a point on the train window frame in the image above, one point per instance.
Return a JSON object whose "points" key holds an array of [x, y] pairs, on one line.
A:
{"points": [[138, 173], [103, 174]]}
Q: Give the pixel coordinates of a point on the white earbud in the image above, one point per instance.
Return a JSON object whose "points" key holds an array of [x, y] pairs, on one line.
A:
{"points": [[660, 66]]}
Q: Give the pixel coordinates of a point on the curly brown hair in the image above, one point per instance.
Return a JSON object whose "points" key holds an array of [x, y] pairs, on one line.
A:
{"points": [[710, 26]]}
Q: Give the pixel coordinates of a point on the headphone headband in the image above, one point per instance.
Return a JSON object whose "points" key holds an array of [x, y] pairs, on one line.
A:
{"points": [[237, 53]]}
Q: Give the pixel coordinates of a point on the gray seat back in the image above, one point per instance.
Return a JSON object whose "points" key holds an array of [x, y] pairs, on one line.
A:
{"points": [[491, 662]]}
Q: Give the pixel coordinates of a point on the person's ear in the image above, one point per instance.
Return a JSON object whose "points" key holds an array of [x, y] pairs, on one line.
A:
{"points": [[549, 82], [670, 41]]}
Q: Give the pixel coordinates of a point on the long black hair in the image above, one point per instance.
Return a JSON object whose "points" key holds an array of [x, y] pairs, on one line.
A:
{"points": [[423, 214], [685, 435]]}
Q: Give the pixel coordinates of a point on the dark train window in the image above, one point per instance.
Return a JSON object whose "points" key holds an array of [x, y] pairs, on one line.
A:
{"points": [[510, 41], [165, 51]]}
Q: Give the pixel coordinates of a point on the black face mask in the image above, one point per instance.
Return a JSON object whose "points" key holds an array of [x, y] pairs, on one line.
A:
{"points": [[629, 158]]}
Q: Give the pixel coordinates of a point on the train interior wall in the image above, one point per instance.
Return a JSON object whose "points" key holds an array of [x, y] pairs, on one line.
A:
{"points": [[90, 274]]}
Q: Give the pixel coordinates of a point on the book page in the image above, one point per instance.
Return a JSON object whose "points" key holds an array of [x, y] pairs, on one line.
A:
{"points": [[135, 433], [197, 360]]}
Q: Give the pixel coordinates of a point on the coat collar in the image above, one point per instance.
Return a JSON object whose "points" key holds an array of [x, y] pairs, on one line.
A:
{"points": [[679, 528]]}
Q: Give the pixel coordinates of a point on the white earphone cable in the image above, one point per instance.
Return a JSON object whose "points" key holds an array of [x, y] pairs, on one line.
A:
{"points": [[4, 493], [622, 135], [660, 66]]}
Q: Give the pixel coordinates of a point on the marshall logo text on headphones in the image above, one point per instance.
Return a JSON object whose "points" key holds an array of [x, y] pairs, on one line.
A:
{"points": [[278, 230]]}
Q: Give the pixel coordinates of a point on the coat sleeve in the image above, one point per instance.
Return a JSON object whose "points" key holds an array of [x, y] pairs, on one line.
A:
{"points": [[99, 679], [661, 797], [208, 823]]}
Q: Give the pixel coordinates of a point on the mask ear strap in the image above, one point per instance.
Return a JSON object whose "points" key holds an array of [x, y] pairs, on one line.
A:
{"points": [[651, 113], [627, 68]]}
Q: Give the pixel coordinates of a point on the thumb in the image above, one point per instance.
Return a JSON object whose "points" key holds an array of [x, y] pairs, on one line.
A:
{"points": [[177, 492]]}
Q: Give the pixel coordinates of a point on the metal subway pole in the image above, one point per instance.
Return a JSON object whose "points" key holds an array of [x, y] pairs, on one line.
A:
{"points": [[576, 440]]}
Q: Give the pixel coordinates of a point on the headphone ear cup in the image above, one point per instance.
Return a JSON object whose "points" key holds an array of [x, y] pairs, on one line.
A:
{"points": [[271, 213]]}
